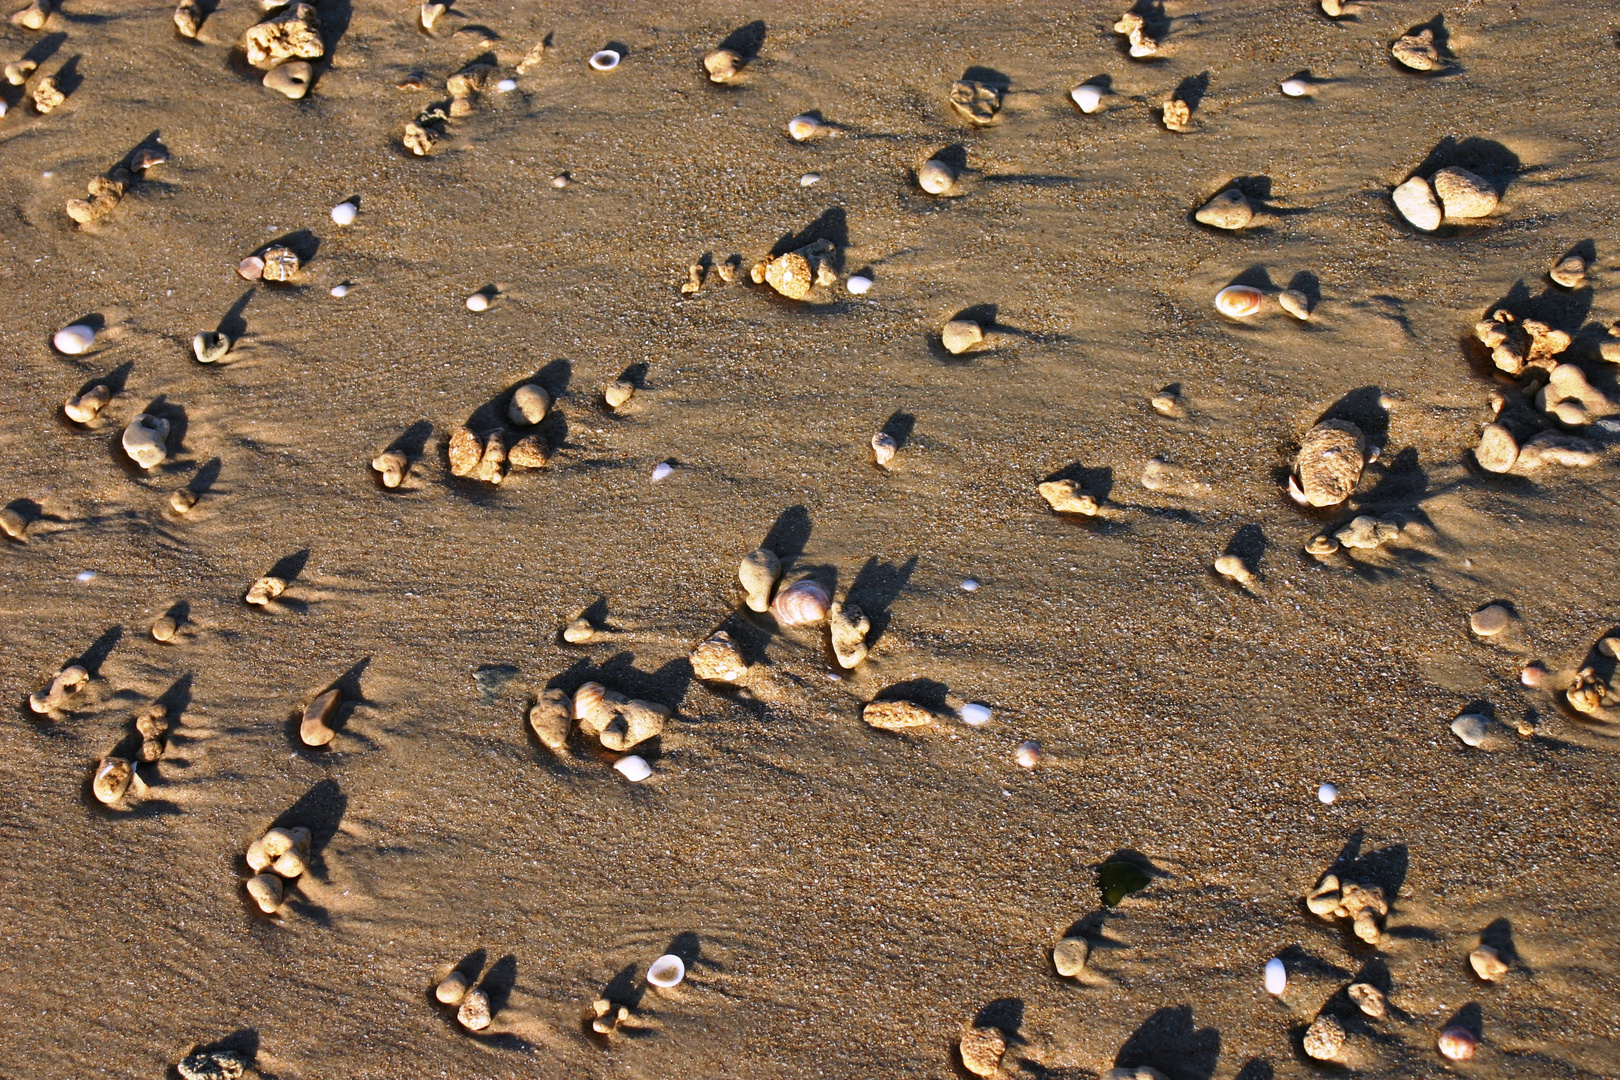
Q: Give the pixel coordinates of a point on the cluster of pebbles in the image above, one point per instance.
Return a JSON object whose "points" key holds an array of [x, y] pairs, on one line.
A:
{"points": [[113, 775], [456, 991], [277, 858], [1451, 194], [1363, 905], [618, 723]]}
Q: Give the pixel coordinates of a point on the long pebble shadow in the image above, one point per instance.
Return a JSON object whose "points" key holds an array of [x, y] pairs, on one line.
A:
{"points": [[1170, 1041], [876, 587]]}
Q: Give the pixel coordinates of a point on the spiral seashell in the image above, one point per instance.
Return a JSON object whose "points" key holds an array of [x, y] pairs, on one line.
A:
{"points": [[1239, 301], [802, 603], [758, 573], [112, 779]]}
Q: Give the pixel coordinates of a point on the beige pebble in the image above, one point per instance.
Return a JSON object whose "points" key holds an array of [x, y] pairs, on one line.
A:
{"points": [[1333, 8], [1329, 464], [618, 392], [294, 34], [579, 632], [1367, 533], [723, 65], [1487, 963], [1296, 303], [981, 1049], [1490, 620], [1232, 567], [263, 591], [391, 466], [64, 685], [1068, 497], [758, 572], [419, 138], [1497, 449], [33, 16], [256, 857], [1167, 402], [1463, 194], [1177, 115], [474, 1011], [289, 864], [112, 779], [428, 14], [47, 95], [146, 440], [14, 525], [267, 891], [1416, 202], [182, 500], [883, 449], [529, 452], [551, 717], [1069, 956], [960, 335], [210, 347], [529, 405], [17, 71], [452, 988], [595, 706], [607, 1016], [635, 722], [1456, 1043], [1569, 272], [848, 626], [728, 267], [1418, 51], [1228, 210], [1324, 1039], [313, 729], [1553, 448], [895, 715], [290, 80], [280, 264], [1369, 999], [464, 450], [936, 177], [1142, 44], [805, 126], [717, 659], [164, 628]]}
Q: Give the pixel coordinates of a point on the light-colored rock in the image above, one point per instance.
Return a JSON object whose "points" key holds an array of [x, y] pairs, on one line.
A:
{"points": [[14, 525], [1330, 460], [188, 18], [1177, 115], [579, 632], [294, 34], [723, 65], [391, 466], [1490, 620], [1418, 51], [452, 988], [529, 405], [267, 891], [634, 723], [1552, 448], [1367, 533], [263, 591], [83, 408], [758, 573], [1416, 201], [607, 1016], [960, 335], [976, 102], [848, 626], [34, 16], [47, 95], [1497, 449], [474, 1011], [290, 80], [1228, 210], [1471, 728], [146, 440], [1234, 568], [315, 728], [895, 715], [1369, 999], [981, 1049], [182, 500], [1322, 546], [1167, 402], [1463, 194], [111, 779], [1324, 1039], [936, 177], [1069, 956], [1296, 303], [618, 392], [551, 717], [1068, 497], [64, 685], [717, 659], [529, 452], [212, 1065], [1569, 272], [280, 264], [1487, 963]]}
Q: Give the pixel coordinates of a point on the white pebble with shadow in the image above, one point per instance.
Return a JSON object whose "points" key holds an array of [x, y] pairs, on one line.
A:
{"points": [[858, 284], [633, 768], [340, 291], [969, 585], [1294, 87], [975, 715], [809, 178], [506, 86], [74, 339], [478, 302], [1327, 793], [1276, 977], [344, 213], [661, 470]]}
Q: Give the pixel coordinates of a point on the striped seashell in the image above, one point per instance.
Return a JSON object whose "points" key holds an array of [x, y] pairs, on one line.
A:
{"points": [[1239, 301], [802, 603], [595, 707]]}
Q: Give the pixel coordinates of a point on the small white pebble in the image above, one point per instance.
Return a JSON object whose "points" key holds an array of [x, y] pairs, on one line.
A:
{"points": [[809, 178], [344, 213], [975, 715], [1088, 96], [478, 302], [506, 86], [1295, 87], [559, 181], [74, 339], [858, 284], [1327, 793], [340, 291], [633, 768], [1276, 977], [1028, 754], [661, 470], [85, 575], [969, 585]]}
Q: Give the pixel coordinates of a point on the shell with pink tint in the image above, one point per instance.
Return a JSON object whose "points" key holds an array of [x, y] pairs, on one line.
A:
{"points": [[251, 268], [1239, 301], [802, 603], [1457, 1043]]}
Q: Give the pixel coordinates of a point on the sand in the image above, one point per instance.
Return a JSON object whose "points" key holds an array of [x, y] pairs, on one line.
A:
{"points": [[847, 901]]}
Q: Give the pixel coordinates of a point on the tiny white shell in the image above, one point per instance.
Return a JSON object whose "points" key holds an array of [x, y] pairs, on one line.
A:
{"points": [[666, 971], [1328, 794], [1470, 728], [661, 470], [633, 768], [1276, 977], [802, 603], [970, 585], [340, 291], [975, 715], [604, 60], [1028, 754], [804, 127], [344, 213], [858, 284], [74, 339], [478, 302], [1239, 301], [506, 86], [809, 179], [1088, 96], [1295, 87]]}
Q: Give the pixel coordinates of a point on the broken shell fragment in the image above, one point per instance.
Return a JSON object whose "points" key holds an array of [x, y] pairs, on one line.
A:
{"points": [[251, 268], [280, 264], [1239, 301], [960, 335], [803, 603], [111, 779], [267, 891], [1088, 97], [974, 101], [210, 347], [1028, 754], [633, 768], [936, 177], [314, 729], [474, 1011], [453, 987], [848, 626], [896, 715], [1233, 567], [82, 408], [391, 466], [717, 659], [758, 573], [1068, 497], [14, 525], [883, 449], [804, 127], [1228, 210], [666, 971], [618, 392], [1416, 202], [529, 404], [1329, 464], [146, 440], [1463, 194], [263, 591], [1296, 303]]}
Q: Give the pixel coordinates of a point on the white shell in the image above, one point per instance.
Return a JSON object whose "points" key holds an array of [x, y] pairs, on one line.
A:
{"points": [[809, 179], [666, 971], [1239, 301], [1328, 794], [1028, 754], [340, 291], [804, 127], [1276, 977], [1088, 96], [970, 585], [605, 60], [661, 470], [975, 715], [858, 284], [1470, 728], [633, 767], [74, 339], [344, 213], [935, 177], [802, 603], [478, 302], [1295, 87], [506, 86]]}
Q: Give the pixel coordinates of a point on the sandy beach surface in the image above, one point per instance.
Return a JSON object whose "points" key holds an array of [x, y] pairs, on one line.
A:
{"points": [[848, 901]]}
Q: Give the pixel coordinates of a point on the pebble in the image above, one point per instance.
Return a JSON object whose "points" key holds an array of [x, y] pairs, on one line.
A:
{"points": [[1487, 963], [617, 392], [478, 301], [182, 500], [391, 466], [1363, 904], [551, 717], [1167, 402], [291, 80], [111, 779], [848, 626], [1069, 956], [1142, 44], [579, 632], [47, 95], [296, 33], [14, 525], [529, 405], [74, 339], [280, 264], [1328, 794], [452, 989], [314, 729], [267, 891], [1068, 497], [1569, 272], [1463, 194], [981, 1049], [1367, 533], [975, 715], [17, 71], [64, 684], [1234, 568], [1295, 303], [936, 177], [607, 1016], [1417, 204], [1368, 998], [1177, 115], [758, 572], [1029, 754], [896, 715], [1417, 51], [266, 589], [960, 335], [1534, 675], [1239, 301], [1295, 87], [212, 1065], [661, 471], [344, 213], [883, 449], [83, 408], [1470, 728], [506, 86], [1324, 1039], [1329, 464], [1088, 97], [560, 181], [666, 971], [474, 1011], [723, 65], [858, 284], [1490, 620], [339, 291], [1457, 1043], [970, 585], [717, 659], [633, 768], [210, 347], [164, 628], [1497, 449], [1228, 210], [1276, 977], [146, 440], [1554, 448], [604, 60]]}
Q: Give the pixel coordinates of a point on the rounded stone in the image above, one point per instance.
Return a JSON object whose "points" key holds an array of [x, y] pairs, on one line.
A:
{"points": [[1497, 449], [1463, 194], [1417, 204], [1228, 210], [960, 335], [1490, 620], [290, 80], [936, 177], [1069, 956]]}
